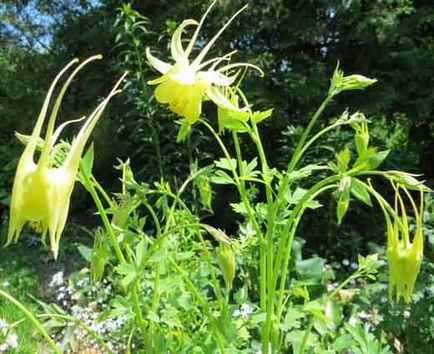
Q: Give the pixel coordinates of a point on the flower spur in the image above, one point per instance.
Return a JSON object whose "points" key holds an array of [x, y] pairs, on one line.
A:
{"points": [[41, 192]]}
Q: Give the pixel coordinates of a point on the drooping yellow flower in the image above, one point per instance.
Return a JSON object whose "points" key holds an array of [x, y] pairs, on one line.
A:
{"points": [[404, 257], [41, 192], [184, 84]]}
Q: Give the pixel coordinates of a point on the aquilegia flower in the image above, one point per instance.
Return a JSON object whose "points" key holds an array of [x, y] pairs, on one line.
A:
{"points": [[404, 257], [184, 84], [41, 191]]}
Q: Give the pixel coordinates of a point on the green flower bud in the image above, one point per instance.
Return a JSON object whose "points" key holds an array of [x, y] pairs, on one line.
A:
{"points": [[361, 138], [226, 261], [356, 82], [205, 192]]}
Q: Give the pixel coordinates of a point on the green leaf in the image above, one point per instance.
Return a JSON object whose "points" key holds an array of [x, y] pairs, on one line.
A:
{"points": [[356, 82], [152, 316], [249, 168], [141, 250], [129, 273], [86, 162], [184, 130], [85, 251], [292, 319], [221, 177], [239, 208], [376, 159], [311, 268], [226, 164], [344, 197], [359, 191], [305, 172], [372, 159], [343, 158], [259, 116]]}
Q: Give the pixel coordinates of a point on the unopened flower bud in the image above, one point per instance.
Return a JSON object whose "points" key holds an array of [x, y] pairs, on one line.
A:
{"points": [[226, 261]]}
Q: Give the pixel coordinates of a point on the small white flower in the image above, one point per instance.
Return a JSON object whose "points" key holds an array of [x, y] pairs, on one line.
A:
{"points": [[244, 311], [12, 340], [364, 316], [3, 347], [354, 265], [330, 287], [406, 314], [57, 279], [346, 262], [5, 284], [352, 321]]}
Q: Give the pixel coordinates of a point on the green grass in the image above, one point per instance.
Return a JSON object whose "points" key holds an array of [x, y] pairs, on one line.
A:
{"points": [[19, 277]]}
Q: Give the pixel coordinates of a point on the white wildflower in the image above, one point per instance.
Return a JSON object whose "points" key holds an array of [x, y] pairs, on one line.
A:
{"points": [[244, 311], [3, 347], [57, 279], [12, 340]]}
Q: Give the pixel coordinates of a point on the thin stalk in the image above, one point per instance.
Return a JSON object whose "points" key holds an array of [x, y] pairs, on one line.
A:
{"points": [[103, 215], [242, 193], [118, 251], [101, 190], [32, 319], [137, 309], [262, 244], [296, 158], [283, 257]]}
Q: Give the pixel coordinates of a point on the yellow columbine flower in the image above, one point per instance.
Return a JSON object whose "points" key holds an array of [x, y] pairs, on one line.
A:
{"points": [[41, 192], [184, 84], [404, 257]]}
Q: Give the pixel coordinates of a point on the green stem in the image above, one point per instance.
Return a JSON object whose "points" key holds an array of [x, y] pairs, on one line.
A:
{"points": [[32, 319], [262, 243], [138, 311], [284, 250], [244, 198], [121, 258], [103, 215]]}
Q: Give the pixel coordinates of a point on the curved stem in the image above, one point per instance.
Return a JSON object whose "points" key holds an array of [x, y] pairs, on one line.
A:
{"points": [[32, 319], [284, 250]]}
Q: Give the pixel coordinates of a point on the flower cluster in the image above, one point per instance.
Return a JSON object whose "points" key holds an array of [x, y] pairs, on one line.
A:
{"points": [[72, 297]]}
